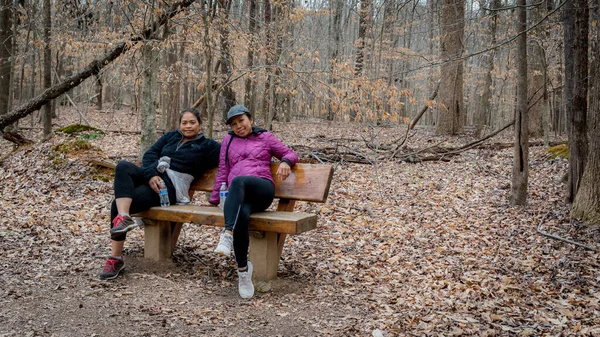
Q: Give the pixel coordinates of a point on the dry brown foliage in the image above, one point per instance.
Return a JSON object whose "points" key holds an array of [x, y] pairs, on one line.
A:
{"points": [[424, 249]]}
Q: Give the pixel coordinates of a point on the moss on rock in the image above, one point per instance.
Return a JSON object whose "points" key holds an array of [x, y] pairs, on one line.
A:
{"points": [[78, 128]]}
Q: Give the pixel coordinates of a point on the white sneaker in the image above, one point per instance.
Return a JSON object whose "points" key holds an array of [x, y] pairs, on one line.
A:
{"points": [[225, 244], [245, 286]]}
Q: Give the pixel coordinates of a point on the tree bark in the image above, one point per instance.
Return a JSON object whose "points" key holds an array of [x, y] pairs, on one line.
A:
{"points": [[484, 114], [586, 205], [359, 61], [91, 69], [6, 41], [249, 84], [47, 116], [148, 115], [576, 16], [174, 85], [363, 23], [450, 118], [267, 103], [228, 94], [520, 172], [335, 33]]}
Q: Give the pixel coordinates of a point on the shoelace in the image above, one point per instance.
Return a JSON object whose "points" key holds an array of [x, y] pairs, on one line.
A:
{"points": [[110, 265]]}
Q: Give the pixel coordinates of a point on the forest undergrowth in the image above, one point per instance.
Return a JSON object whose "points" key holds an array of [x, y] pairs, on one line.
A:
{"points": [[401, 249]]}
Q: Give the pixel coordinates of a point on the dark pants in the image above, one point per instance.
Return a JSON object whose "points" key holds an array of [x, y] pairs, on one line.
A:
{"points": [[247, 195], [130, 183]]}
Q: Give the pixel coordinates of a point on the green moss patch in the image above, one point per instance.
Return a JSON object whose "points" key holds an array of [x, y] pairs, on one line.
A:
{"points": [[79, 128], [557, 151], [74, 146]]}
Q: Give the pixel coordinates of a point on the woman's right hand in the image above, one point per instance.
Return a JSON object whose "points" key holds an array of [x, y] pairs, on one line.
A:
{"points": [[155, 183]]}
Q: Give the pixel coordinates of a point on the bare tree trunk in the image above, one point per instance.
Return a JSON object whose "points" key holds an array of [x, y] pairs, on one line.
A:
{"points": [[535, 66], [6, 41], [228, 95], [362, 35], [432, 6], [587, 201], [363, 25], [520, 176], [576, 15], [335, 32], [484, 114], [148, 115], [174, 85], [47, 66], [99, 98], [209, 58], [249, 85], [450, 118], [267, 104]]}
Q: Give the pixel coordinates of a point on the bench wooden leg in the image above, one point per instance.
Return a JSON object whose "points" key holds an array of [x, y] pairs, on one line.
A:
{"points": [[158, 240], [264, 255]]}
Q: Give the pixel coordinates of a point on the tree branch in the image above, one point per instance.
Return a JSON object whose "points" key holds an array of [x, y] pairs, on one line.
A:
{"points": [[91, 69]]}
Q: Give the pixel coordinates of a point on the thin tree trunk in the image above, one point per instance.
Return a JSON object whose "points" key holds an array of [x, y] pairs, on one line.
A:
{"points": [[47, 66], [174, 85], [336, 33], [520, 172], [249, 84], [228, 94], [6, 48], [148, 115], [266, 102], [99, 98]]}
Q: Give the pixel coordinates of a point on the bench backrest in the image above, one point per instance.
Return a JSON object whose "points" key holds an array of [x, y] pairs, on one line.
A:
{"points": [[307, 182]]}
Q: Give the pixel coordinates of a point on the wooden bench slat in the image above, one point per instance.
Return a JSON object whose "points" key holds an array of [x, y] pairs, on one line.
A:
{"points": [[307, 182], [271, 221]]}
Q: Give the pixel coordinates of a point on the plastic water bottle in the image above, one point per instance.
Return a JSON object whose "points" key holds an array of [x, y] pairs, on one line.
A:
{"points": [[164, 195], [223, 193]]}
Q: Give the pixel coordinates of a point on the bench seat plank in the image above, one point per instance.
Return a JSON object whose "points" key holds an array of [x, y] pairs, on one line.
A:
{"points": [[269, 221]]}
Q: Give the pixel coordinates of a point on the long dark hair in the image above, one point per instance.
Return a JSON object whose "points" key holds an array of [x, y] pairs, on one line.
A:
{"points": [[194, 112]]}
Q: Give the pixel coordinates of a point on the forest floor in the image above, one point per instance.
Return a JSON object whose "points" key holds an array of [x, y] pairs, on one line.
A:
{"points": [[401, 249]]}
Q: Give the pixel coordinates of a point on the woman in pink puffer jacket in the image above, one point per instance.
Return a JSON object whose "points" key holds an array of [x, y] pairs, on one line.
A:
{"points": [[245, 165]]}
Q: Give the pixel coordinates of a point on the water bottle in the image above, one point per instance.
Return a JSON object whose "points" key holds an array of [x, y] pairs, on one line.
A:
{"points": [[164, 195], [223, 193]]}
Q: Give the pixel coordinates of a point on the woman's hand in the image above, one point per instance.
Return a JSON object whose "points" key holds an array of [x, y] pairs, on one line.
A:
{"points": [[155, 183], [283, 171]]}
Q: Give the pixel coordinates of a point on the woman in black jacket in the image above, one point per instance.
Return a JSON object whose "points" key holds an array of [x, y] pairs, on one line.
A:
{"points": [[137, 188]]}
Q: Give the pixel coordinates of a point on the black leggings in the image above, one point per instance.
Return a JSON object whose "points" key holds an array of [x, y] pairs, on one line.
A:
{"points": [[247, 195], [130, 183]]}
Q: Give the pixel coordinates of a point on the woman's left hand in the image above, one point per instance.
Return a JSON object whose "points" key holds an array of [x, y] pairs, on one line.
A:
{"points": [[283, 171]]}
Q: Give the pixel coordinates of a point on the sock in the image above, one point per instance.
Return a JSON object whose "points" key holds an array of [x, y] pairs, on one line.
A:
{"points": [[117, 257], [124, 214]]}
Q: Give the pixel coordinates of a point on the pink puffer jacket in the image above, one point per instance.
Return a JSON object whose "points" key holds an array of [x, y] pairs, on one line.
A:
{"points": [[250, 156]]}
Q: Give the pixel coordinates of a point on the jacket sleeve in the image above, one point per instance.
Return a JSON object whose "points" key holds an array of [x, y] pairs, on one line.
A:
{"points": [[222, 173], [151, 156], [282, 152]]}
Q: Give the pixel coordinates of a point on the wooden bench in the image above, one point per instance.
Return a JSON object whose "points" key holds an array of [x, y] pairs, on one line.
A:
{"points": [[307, 182]]}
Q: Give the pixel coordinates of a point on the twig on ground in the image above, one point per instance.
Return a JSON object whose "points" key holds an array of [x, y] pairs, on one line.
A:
{"points": [[556, 237]]}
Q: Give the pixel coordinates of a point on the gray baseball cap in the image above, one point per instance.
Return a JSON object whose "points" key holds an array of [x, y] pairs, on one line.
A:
{"points": [[236, 110]]}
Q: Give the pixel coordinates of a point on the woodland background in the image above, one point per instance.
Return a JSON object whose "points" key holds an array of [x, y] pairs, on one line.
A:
{"points": [[436, 115]]}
